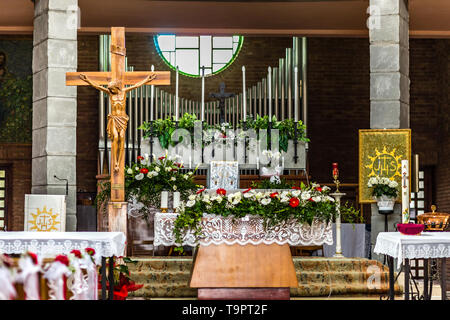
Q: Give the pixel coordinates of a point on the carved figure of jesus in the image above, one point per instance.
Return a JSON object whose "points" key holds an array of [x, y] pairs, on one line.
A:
{"points": [[117, 119]]}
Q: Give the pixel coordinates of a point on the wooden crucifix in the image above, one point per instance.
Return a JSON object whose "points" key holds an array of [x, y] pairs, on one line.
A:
{"points": [[222, 95], [117, 119]]}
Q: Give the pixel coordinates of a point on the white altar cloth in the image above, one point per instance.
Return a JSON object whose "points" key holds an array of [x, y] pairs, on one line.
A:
{"points": [[424, 246], [249, 230], [48, 244]]}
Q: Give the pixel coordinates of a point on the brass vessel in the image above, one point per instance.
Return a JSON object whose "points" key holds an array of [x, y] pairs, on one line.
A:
{"points": [[434, 221]]}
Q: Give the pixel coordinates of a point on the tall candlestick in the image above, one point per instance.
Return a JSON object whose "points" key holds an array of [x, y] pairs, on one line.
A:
{"points": [[405, 191], [152, 94], [176, 97], [164, 200], [296, 94], [244, 97], [269, 80], [203, 94], [176, 201]]}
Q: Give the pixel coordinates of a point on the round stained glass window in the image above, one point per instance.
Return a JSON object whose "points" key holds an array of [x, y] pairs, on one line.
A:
{"points": [[191, 53]]}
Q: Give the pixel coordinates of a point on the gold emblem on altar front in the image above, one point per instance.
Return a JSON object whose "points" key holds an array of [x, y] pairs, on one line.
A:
{"points": [[385, 164], [381, 152], [44, 220]]}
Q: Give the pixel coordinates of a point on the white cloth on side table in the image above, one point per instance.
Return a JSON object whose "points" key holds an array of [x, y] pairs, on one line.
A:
{"points": [[425, 246], [49, 244]]}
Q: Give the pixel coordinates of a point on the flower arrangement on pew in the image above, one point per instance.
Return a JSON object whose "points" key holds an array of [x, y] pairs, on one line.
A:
{"points": [[122, 279], [302, 204], [145, 180]]}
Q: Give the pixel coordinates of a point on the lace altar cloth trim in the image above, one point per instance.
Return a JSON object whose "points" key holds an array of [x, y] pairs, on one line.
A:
{"points": [[249, 230], [424, 246], [47, 244]]}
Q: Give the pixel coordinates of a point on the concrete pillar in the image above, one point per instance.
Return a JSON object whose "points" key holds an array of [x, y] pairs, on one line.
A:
{"points": [[389, 80], [54, 103]]}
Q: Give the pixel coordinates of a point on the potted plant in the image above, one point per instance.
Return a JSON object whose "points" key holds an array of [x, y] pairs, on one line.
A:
{"points": [[384, 191]]}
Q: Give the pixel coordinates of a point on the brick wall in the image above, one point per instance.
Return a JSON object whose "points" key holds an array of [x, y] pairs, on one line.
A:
{"points": [[17, 157], [87, 117]]}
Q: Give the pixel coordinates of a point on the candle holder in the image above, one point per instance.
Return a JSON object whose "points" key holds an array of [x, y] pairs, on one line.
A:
{"points": [[336, 180]]}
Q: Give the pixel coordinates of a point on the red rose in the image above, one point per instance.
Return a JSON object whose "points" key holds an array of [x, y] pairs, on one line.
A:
{"points": [[140, 158], [90, 251], [200, 191], [319, 189], [144, 170], [221, 191], [63, 259], [245, 191], [33, 257], [161, 158], [294, 202], [76, 253], [273, 194]]}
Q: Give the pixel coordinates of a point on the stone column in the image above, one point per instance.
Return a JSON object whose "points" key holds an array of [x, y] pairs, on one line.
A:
{"points": [[54, 103], [389, 80]]}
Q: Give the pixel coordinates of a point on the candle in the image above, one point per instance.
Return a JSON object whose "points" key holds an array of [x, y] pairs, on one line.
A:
{"points": [[405, 191], [164, 200], [203, 94], [244, 98], [152, 93], [176, 97], [296, 94], [176, 200], [257, 163], [282, 162], [269, 80], [335, 169], [190, 162]]}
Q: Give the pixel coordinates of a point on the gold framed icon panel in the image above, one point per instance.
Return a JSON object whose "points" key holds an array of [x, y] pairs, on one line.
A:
{"points": [[381, 152]]}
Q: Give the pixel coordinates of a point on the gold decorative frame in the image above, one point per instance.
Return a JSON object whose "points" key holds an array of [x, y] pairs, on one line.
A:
{"points": [[388, 145]]}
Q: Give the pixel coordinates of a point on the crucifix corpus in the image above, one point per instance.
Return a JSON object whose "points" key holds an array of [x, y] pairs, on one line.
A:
{"points": [[222, 95], [116, 80]]}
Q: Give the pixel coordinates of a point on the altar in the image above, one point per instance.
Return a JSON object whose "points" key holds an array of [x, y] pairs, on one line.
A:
{"points": [[231, 261]]}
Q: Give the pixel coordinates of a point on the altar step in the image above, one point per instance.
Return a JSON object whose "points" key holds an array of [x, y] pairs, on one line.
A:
{"points": [[168, 277]]}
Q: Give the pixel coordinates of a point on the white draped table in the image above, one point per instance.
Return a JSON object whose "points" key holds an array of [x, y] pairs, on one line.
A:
{"points": [[50, 244], [248, 230], [427, 245]]}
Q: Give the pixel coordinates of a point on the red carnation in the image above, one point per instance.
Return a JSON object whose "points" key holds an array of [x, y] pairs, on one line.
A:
{"points": [[140, 158], [161, 158], [245, 191], [221, 191], [76, 253], [200, 191], [63, 259], [144, 170], [319, 189], [273, 194], [33, 257], [90, 251], [294, 202]]}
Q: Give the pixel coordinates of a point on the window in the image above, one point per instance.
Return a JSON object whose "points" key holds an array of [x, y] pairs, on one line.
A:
{"points": [[190, 54]]}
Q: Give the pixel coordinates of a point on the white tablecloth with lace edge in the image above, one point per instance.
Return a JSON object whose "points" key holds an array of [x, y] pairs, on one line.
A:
{"points": [[48, 244], [424, 246], [249, 230]]}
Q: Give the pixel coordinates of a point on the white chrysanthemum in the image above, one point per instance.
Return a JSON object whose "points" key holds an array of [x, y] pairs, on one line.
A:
{"points": [[248, 195], [325, 188], [259, 195], [305, 196], [284, 199], [393, 184], [139, 176], [206, 197], [149, 175], [130, 171], [190, 203], [138, 169], [265, 201], [316, 199], [157, 169], [186, 177], [284, 194], [168, 169], [173, 179], [296, 193], [192, 197], [154, 173]]}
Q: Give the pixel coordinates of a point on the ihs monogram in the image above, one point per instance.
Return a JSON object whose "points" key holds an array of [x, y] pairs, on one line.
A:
{"points": [[44, 220]]}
